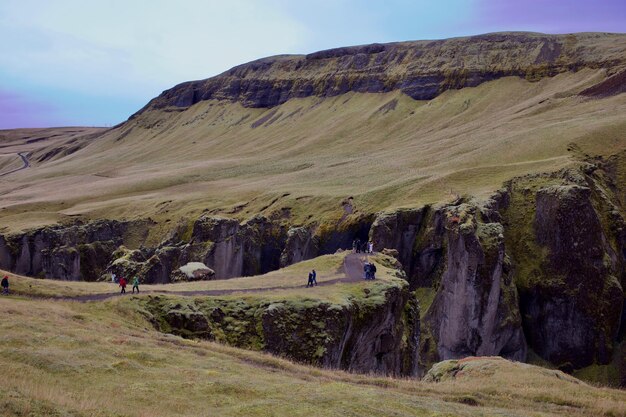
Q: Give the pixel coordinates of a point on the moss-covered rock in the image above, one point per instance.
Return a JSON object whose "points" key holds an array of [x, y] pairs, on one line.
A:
{"points": [[71, 252], [571, 300], [372, 331]]}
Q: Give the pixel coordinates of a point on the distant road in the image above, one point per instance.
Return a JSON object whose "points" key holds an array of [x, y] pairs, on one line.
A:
{"points": [[24, 161]]}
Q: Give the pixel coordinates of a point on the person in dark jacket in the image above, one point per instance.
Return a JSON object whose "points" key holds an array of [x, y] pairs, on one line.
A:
{"points": [[123, 285], [314, 277], [372, 271], [310, 283], [366, 270], [5, 285]]}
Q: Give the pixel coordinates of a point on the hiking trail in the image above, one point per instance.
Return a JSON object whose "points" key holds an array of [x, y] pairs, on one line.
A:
{"points": [[352, 270]]}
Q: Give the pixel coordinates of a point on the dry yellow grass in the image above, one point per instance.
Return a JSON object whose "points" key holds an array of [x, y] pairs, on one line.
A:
{"points": [[104, 359], [317, 152]]}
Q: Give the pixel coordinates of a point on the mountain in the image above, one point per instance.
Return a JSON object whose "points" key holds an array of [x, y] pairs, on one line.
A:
{"points": [[422, 70], [492, 168]]}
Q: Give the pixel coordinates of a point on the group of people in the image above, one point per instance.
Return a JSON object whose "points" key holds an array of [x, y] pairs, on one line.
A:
{"points": [[369, 270], [362, 247], [312, 278], [365, 247], [123, 283]]}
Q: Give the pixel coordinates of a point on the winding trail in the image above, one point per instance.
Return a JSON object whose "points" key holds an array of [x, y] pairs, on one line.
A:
{"points": [[352, 269], [25, 161]]}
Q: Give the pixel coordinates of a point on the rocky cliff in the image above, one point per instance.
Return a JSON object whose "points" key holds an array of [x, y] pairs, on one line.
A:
{"points": [[75, 252], [373, 330], [421, 69], [536, 271], [229, 248], [540, 266], [566, 232]]}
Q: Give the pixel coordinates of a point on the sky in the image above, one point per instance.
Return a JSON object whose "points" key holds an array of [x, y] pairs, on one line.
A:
{"points": [[94, 63]]}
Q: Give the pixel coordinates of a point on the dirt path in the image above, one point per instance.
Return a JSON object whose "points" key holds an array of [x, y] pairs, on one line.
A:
{"points": [[25, 161], [352, 269]]}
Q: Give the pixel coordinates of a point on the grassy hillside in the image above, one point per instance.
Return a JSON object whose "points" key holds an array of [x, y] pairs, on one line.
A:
{"points": [[304, 158], [105, 359]]}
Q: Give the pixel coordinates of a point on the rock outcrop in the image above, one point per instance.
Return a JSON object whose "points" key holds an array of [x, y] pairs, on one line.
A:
{"points": [[418, 236], [195, 271], [457, 253], [541, 262], [421, 69], [376, 331], [564, 232], [301, 245], [80, 251], [571, 297], [475, 310], [228, 247]]}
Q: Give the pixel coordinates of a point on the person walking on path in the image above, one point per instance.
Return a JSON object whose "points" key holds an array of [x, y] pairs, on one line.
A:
{"points": [[113, 278], [366, 270], [370, 247], [310, 282], [123, 285], [135, 284], [5, 285], [314, 277], [358, 246], [372, 271]]}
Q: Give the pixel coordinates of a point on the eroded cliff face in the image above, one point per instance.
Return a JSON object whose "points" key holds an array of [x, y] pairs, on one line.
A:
{"points": [[419, 237], [566, 233], [228, 248], [422, 69], [458, 255], [372, 331], [80, 251], [475, 310], [540, 266]]}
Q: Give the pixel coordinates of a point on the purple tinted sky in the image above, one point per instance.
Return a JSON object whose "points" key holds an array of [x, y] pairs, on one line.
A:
{"points": [[554, 16], [71, 62], [24, 111]]}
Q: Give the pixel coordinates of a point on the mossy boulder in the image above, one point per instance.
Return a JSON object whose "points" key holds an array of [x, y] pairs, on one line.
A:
{"points": [[193, 271]]}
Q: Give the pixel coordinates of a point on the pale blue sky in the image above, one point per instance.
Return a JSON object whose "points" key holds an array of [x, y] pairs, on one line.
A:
{"points": [[77, 62]]}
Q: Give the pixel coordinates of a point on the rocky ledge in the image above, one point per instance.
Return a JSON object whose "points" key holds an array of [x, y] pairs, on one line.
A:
{"points": [[375, 329], [420, 69]]}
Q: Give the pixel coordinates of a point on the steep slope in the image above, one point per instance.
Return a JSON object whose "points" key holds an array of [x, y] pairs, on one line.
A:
{"points": [[308, 155]]}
